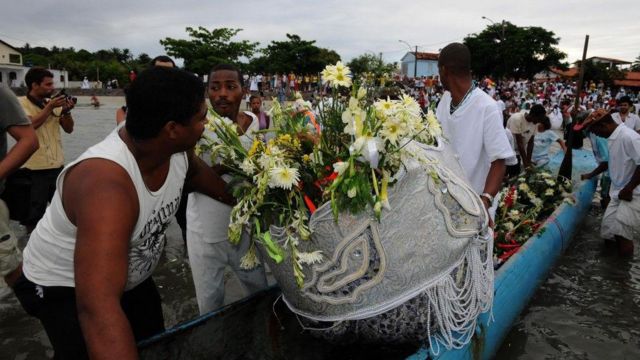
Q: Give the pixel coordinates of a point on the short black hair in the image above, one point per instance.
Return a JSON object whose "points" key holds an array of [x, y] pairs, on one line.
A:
{"points": [[625, 99], [229, 67], [537, 111], [159, 95], [36, 75], [254, 97], [457, 58], [161, 58]]}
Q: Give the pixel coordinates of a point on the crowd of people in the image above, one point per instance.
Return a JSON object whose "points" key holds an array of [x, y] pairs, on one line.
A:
{"points": [[86, 274]]}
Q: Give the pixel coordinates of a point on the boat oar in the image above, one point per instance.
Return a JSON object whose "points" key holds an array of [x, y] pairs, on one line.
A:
{"points": [[567, 163]]}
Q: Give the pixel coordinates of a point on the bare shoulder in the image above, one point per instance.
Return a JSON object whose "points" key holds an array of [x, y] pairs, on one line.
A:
{"points": [[98, 184]]}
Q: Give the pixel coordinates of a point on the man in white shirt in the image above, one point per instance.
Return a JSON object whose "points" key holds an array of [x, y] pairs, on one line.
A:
{"points": [[621, 220], [523, 127], [210, 251], [624, 116], [472, 122]]}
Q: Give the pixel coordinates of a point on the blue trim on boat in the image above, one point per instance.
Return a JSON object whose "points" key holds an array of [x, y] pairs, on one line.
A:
{"points": [[518, 279]]}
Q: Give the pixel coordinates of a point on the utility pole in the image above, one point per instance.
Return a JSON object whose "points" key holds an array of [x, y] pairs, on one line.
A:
{"points": [[415, 64]]}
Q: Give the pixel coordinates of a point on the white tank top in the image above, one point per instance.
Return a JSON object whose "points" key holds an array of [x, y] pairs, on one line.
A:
{"points": [[48, 257]]}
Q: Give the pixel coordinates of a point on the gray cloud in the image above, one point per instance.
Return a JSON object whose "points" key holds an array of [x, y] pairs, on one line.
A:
{"points": [[349, 27]]}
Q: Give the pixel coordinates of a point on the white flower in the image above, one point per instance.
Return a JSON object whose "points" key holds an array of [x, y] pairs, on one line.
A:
{"points": [[352, 192], [361, 93], [337, 75], [509, 226], [310, 258], [549, 192], [283, 177], [514, 214], [353, 104], [391, 131], [265, 161], [340, 167], [523, 187], [550, 182], [248, 167], [536, 201], [384, 106]]}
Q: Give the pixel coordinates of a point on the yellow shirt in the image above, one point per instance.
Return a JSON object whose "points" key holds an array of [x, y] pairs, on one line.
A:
{"points": [[50, 154]]}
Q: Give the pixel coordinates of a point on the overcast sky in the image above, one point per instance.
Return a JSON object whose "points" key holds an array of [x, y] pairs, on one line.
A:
{"points": [[349, 27]]}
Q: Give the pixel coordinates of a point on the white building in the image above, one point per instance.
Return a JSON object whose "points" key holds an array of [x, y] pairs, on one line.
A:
{"points": [[12, 71], [427, 64]]}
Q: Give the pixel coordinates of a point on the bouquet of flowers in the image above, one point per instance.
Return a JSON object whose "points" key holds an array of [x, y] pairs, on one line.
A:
{"points": [[524, 206], [346, 152]]}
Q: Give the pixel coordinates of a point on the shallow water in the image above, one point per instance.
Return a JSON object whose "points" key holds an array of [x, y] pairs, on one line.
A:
{"points": [[589, 308]]}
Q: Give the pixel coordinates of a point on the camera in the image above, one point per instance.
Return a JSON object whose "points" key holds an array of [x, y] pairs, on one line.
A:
{"points": [[62, 92]]}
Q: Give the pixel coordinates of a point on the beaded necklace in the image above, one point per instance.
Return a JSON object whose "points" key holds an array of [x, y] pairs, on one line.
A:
{"points": [[453, 108]]}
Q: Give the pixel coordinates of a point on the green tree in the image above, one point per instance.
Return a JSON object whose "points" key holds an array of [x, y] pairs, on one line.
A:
{"points": [[596, 71], [506, 50], [636, 64], [206, 48], [369, 63], [293, 55]]}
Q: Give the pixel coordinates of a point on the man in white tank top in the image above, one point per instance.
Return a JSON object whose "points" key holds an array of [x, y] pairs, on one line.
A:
{"points": [[210, 252], [88, 264]]}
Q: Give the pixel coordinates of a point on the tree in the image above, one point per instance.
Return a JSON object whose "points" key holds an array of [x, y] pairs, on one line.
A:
{"points": [[636, 64], [507, 50], [369, 63], [596, 72], [207, 48], [295, 54]]}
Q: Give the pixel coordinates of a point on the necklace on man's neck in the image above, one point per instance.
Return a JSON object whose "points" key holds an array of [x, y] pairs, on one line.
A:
{"points": [[453, 108]]}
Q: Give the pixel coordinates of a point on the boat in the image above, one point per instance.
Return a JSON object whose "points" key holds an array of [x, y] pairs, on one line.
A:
{"points": [[261, 326]]}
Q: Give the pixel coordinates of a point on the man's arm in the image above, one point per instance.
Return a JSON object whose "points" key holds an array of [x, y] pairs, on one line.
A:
{"points": [[602, 167], [66, 122], [100, 199], [205, 180], [26, 145], [627, 191], [529, 149], [521, 149], [563, 146], [493, 183], [43, 115]]}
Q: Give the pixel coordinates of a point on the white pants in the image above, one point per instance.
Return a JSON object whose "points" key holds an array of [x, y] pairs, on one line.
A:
{"points": [[622, 218], [208, 262]]}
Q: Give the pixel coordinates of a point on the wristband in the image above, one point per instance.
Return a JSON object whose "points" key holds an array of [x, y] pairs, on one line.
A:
{"points": [[488, 197]]}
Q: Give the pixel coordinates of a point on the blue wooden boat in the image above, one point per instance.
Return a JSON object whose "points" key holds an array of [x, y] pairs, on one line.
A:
{"points": [[255, 328]]}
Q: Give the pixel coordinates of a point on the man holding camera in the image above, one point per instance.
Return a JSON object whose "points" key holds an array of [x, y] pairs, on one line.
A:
{"points": [[47, 112]]}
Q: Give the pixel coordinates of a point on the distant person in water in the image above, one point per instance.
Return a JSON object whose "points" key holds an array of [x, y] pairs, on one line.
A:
{"points": [[94, 101]]}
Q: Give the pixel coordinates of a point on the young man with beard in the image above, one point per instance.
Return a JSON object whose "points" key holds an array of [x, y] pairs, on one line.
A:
{"points": [[472, 121], [47, 116], [623, 116], [88, 264], [208, 219]]}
